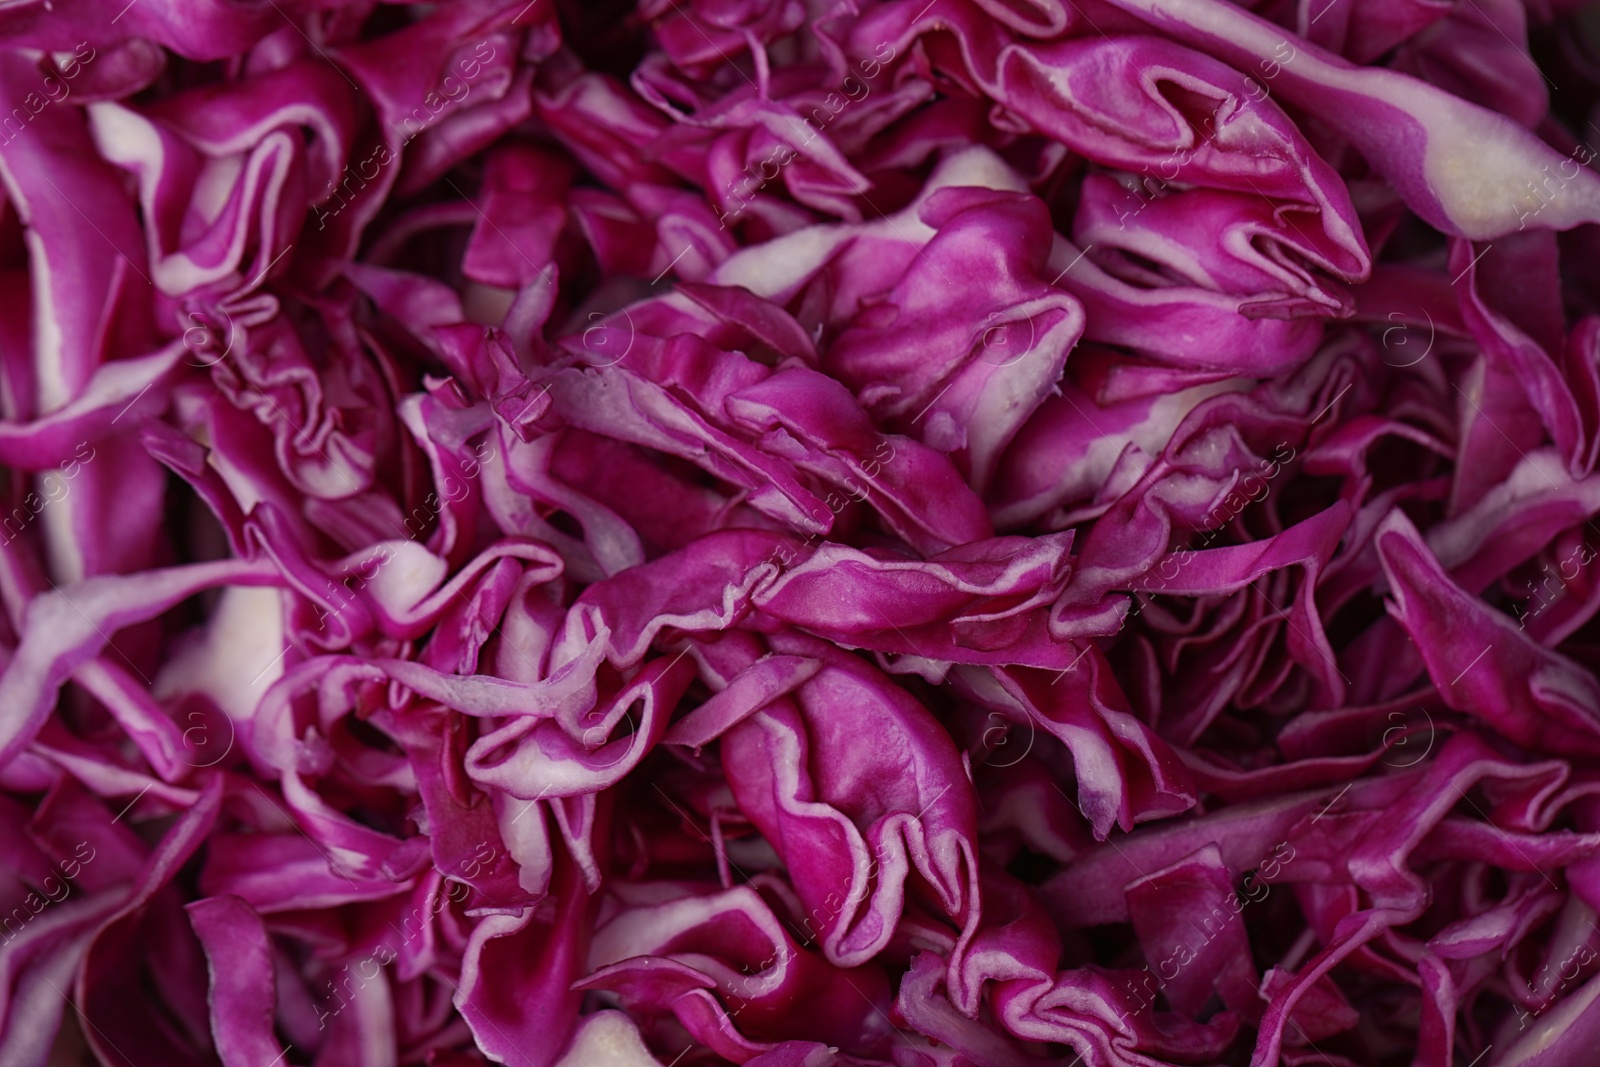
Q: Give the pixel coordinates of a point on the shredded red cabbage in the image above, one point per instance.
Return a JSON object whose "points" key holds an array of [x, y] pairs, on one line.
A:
{"points": [[914, 533]]}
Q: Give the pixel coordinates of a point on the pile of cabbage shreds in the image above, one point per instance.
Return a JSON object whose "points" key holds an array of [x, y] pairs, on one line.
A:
{"points": [[932, 533]]}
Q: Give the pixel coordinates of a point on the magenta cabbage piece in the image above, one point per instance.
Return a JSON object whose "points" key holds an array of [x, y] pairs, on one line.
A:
{"points": [[970, 533]]}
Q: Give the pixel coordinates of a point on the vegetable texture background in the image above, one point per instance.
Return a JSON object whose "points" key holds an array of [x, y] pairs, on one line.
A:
{"points": [[931, 533]]}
